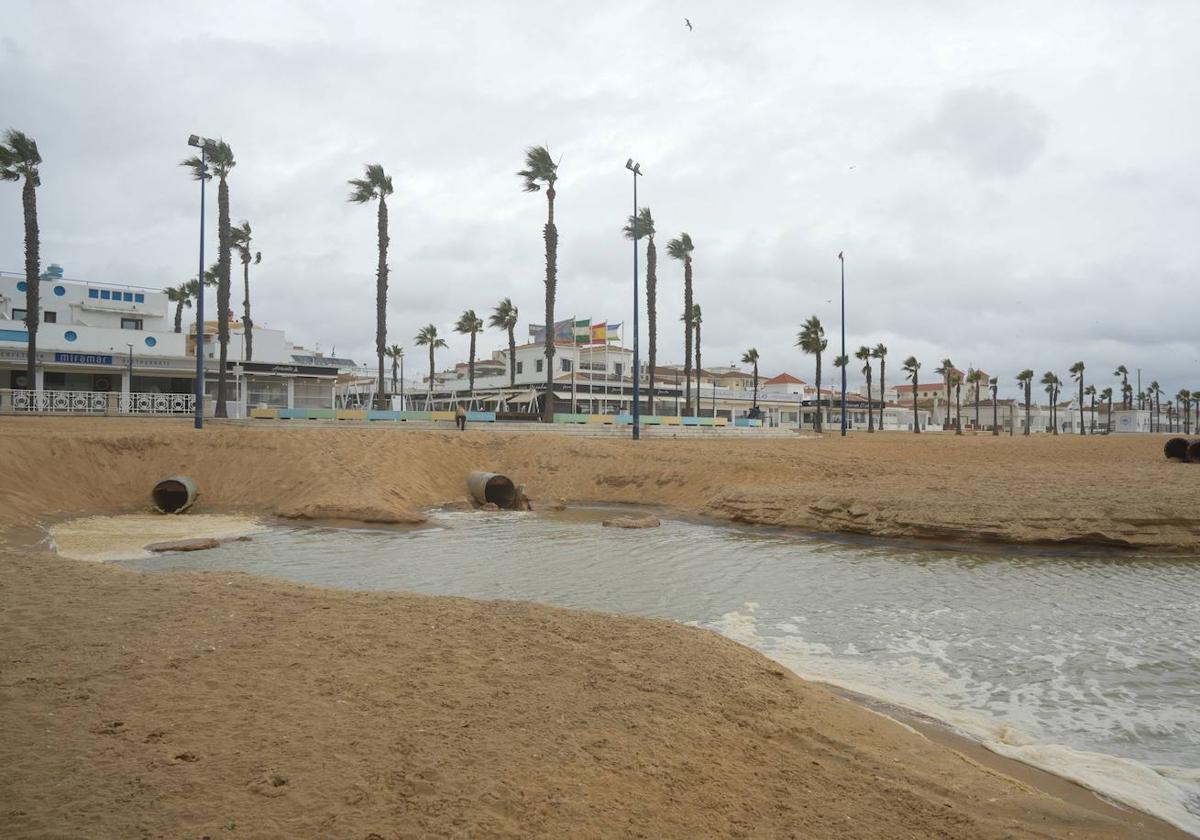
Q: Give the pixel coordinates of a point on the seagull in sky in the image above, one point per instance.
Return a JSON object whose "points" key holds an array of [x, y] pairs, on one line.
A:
{"points": [[688, 24]]}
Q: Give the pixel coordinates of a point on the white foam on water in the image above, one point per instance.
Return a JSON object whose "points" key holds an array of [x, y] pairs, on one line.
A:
{"points": [[1169, 793]]}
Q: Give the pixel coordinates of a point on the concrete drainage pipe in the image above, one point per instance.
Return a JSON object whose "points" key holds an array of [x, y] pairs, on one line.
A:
{"points": [[175, 494]]}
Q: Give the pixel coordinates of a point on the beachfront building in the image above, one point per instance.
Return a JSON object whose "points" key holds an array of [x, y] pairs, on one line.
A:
{"points": [[109, 348]]}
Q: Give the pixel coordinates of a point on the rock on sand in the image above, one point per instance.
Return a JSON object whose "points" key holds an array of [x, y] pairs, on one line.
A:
{"points": [[356, 513], [198, 544], [632, 522]]}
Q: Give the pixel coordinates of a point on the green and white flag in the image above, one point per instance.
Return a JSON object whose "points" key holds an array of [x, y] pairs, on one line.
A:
{"points": [[583, 331]]}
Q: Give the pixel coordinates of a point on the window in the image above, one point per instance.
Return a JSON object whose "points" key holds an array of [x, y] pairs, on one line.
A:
{"points": [[566, 365], [50, 317], [18, 314], [131, 323], [128, 297], [139, 298], [105, 294], [520, 367], [22, 286], [94, 294], [539, 365], [618, 368]]}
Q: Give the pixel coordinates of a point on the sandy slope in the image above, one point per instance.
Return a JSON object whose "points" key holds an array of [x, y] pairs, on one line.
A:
{"points": [[221, 705]]}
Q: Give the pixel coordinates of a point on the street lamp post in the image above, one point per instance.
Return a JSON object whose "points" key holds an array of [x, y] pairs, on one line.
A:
{"points": [[842, 260], [202, 144], [129, 390], [636, 169]]}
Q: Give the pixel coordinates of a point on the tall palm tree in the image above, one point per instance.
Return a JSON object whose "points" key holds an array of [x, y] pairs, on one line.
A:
{"points": [[913, 368], [20, 160], [395, 352], [840, 361], [1155, 406], [428, 337], [956, 380], [863, 354], [945, 370], [645, 228], [1185, 401], [1126, 391], [540, 169], [470, 324], [680, 248], [1107, 396], [750, 357], [696, 326], [220, 163], [1025, 377], [1077, 372], [1090, 391], [994, 385], [377, 184], [504, 317], [975, 379], [880, 353], [811, 339], [1051, 382], [241, 242], [181, 296]]}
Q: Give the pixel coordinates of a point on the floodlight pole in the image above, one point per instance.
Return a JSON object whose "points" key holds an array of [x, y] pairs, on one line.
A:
{"points": [[842, 260], [199, 391], [636, 169]]}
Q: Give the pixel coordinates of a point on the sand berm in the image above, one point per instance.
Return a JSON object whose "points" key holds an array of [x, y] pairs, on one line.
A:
{"points": [[221, 705]]}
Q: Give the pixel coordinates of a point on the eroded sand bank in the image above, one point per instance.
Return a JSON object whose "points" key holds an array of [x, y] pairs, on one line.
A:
{"points": [[193, 704]]}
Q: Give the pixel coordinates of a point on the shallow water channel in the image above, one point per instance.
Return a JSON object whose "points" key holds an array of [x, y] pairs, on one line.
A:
{"points": [[1085, 664]]}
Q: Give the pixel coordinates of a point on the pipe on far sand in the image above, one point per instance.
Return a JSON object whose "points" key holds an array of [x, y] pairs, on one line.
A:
{"points": [[175, 494], [1193, 452], [1176, 448], [492, 487]]}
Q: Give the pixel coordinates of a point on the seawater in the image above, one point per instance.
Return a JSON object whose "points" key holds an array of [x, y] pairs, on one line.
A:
{"points": [[1087, 665]]}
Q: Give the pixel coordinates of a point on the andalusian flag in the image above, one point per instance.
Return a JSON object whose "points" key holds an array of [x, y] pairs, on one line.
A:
{"points": [[583, 331], [600, 333]]}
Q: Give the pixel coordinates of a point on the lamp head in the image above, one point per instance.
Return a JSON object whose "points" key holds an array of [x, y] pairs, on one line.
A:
{"points": [[629, 164]]}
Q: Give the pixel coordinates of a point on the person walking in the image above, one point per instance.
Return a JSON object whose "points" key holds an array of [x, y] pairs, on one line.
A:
{"points": [[460, 417]]}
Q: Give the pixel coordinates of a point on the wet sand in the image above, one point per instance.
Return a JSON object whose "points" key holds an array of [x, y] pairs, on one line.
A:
{"points": [[219, 704]]}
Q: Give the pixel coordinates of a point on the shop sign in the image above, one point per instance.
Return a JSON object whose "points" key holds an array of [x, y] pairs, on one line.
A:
{"points": [[83, 359]]}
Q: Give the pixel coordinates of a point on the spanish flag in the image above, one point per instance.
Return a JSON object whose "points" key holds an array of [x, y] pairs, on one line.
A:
{"points": [[600, 333]]}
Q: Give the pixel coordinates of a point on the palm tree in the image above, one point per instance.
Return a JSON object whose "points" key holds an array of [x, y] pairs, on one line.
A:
{"points": [[811, 339], [20, 159], [470, 324], [181, 296], [1090, 391], [680, 248], [395, 353], [241, 242], [1025, 377], [974, 378], [696, 326], [1126, 391], [1185, 401], [645, 228], [504, 317], [750, 357], [880, 353], [994, 385], [956, 380], [945, 370], [913, 368], [1051, 383], [428, 337], [540, 169], [377, 184], [1077, 372], [1107, 396], [1155, 406], [863, 354], [221, 163]]}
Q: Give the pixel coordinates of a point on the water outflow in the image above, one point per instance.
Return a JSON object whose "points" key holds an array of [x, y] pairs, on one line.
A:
{"points": [[1086, 665]]}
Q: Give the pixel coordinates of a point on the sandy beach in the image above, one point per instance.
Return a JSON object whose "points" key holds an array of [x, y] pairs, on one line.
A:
{"points": [[222, 705]]}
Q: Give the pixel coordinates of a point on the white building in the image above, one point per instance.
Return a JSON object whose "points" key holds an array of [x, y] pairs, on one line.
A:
{"points": [[100, 342]]}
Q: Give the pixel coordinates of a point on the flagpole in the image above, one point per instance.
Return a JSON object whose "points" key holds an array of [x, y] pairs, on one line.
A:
{"points": [[574, 363], [842, 260]]}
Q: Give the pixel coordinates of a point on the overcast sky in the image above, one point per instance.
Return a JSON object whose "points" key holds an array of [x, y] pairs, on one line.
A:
{"points": [[1014, 184]]}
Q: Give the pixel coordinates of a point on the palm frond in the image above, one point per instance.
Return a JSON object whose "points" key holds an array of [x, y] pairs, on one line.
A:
{"points": [[539, 166]]}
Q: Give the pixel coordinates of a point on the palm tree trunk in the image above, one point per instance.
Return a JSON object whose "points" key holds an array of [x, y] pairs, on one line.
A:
{"points": [[247, 324], [995, 417], [1028, 398], [947, 423], [977, 406], [179, 315], [916, 419], [430, 375], [870, 412], [1082, 426], [818, 420], [471, 366], [32, 283], [512, 359], [551, 236], [395, 359], [881, 366], [381, 290], [698, 369], [1109, 424], [958, 409], [687, 335], [223, 266], [652, 315], [756, 386]]}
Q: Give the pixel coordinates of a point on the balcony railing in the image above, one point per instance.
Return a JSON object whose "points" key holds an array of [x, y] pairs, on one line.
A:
{"points": [[94, 402]]}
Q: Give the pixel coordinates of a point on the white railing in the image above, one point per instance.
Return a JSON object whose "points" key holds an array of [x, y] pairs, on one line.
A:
{"points": [[94, 402]]}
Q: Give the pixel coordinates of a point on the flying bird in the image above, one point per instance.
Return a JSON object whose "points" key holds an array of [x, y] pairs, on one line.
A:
{"points": [[688, 24]]}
